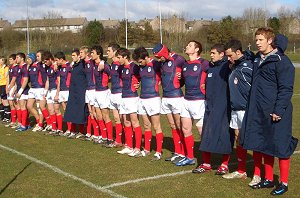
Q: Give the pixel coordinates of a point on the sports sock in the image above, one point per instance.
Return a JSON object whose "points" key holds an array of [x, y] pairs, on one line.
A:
{"points": [[284, 166], [206, 156], [241, 157], [53, 120], [159, 142], [176, 141], [225, 160], [59, 120], [138, 137], [19, 116], [189, 142], [257, 157], [1, 111], [183, 147], [109, 129], [81, 128], [13, 115], [119, 130], [147, 140], [269, 163], [102, 129], [69, 126], [46, 116], [89, 125], [128, 136], [73, 128], [7, 112], [24, 117]]}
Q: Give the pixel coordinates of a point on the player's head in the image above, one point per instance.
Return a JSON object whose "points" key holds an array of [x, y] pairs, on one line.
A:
{"points": [[31, 58], [47, 58], [75, 55], [12, 59], [217, 52], [20, 57], [84, 52], [161, 52], [112, 49], [123, 54], [264, 38], [59, 58], [193, 47], [233, 50], [39, 55], [139, 55], [97, 52], [3, 60]]}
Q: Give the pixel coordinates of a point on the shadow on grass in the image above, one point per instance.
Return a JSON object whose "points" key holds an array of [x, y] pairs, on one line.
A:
{"points": [[15, 177]]}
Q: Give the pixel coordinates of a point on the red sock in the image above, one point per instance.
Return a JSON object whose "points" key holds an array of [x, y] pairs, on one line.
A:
{"points": [[37, 121], [24, 118], [53, 120], [225, 159], [81, 128], [183, 147], [119, 130], [128, 136], [284, 166], [46, 116], [269, 163], [19, 116], [257, 157], [89, 126], [95, 127], [147, 140], [13, 113], [109, 129], [73, 128], [176, 141], [241, 155], [138, 137], [206, 156], [59, 120], [159, 142], [102, 129], [189, 142], [69, 126]]}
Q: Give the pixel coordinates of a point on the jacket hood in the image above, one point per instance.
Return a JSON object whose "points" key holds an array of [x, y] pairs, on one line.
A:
{"points": [[281, 42]]}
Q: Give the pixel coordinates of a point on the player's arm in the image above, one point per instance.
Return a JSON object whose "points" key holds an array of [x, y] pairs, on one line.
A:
{"points": [[46, 87], [24, 84]]}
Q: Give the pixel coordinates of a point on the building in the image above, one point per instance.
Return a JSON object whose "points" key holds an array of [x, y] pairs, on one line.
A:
{"points": [[111, 24], [4, 24]]}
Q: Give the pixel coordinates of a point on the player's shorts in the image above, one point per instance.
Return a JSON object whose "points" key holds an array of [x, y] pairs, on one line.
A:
{"points": [[36, 93], [129, 105], [171, 105], [50, 96], [193, 109], [115, 101], [11, 94], [90, 96], [63, 96], [3, 94], [236, 119], [149, 106], [23, 97], [102, 99]]}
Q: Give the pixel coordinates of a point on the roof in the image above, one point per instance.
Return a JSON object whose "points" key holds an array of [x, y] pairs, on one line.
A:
{"points": [[51, 22], [4, 23]]}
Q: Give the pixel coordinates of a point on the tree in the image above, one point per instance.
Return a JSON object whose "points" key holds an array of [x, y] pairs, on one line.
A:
{"points": [[94, 33], [274, 23]]}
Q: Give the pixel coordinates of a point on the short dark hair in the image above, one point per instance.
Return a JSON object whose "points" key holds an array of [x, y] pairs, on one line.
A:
{"points": [[47, 56], [234, 45], [40, 51], [22, 55], [219, 47], [4, 59], [60, 55], [197, 45], [123, 52], [13, 56], [140, 53], [99, 51], [76, 50], [114, 46]]}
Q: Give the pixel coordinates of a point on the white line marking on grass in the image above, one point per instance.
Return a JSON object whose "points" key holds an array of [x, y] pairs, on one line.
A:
{"points": [[59, 171], [162, 176]]}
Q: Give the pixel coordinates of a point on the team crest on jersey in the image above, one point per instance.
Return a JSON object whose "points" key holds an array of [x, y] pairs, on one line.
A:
{"points": [[209, 75], [64, 70], [116, 68], [88, 65], [34, 69], [127, 71], [149, 69], [195, 68], [170, 63], [51, 71], [235, 81], [245, 64], [256, 60], [19, 70], [184, 69]]}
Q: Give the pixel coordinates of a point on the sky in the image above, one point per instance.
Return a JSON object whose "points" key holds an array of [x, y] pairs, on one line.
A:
{"points": [[12, 10]]}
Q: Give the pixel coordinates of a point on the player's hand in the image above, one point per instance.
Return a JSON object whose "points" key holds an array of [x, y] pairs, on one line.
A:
{"points": [[18, 95], [137, 85], [203, 86], [56, 98], [101, 65], [178, 74], [275, 118]]}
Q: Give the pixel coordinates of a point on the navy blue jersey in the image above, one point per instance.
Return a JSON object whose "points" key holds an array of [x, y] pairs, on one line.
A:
{"points": [[13, 72], [194, 75], [102, 77], [89, 69], [35, 76], [150, 79], [52, 76], [43, 72], [65, 76], [170, 83], [22, 74], [130, 76], [116, 77]]}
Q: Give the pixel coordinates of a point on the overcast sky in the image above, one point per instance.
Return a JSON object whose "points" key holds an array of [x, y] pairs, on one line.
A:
{"points": [[137, 9]]}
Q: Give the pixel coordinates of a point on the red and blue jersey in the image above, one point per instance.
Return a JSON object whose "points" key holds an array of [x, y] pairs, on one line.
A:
{"points": [[43, 72], [115, 77], [194, 75], [65, 76], [170, 83], [52, 77], [130, 77], [13, 72], [102, 77], [89, 72], [150, 79], [22, 74], [35, 76]]}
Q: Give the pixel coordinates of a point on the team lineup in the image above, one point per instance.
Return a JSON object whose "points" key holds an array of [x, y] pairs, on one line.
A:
{"points": [[235, 98]]}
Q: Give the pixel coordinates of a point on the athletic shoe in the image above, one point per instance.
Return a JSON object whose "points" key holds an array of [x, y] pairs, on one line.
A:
{"points": [[125, 150], [168, 159], [52, 132], [177, 159], [37, 128], [222, 170], [255, 180], [91, 138], [80, 136], [144, 153], [201, 169], [10, 124], [280, 189], [21, 129], [47, 128], [15, 125], [72, 135], [60, 133], [5, 120], [156, 156], [186, 161], [67, 133], [135, 153], [114, 144], [263, 184], [235, 175]]}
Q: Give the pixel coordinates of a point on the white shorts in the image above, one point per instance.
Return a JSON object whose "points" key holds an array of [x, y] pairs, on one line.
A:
{"points": [[102, 99], [36, 93], [90, 96], [236, 119], [63, 96], [150, 106], [115, 101], [193, 109], [171, 105], [129, 105], [23, 97], [50, 96], [11, 94]]}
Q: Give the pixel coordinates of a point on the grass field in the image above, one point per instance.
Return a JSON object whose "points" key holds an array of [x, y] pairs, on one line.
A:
{"points": [[38, 165]]}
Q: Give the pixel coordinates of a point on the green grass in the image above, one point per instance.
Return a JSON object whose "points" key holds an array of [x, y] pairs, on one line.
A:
{"points": [[20, 177]]}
